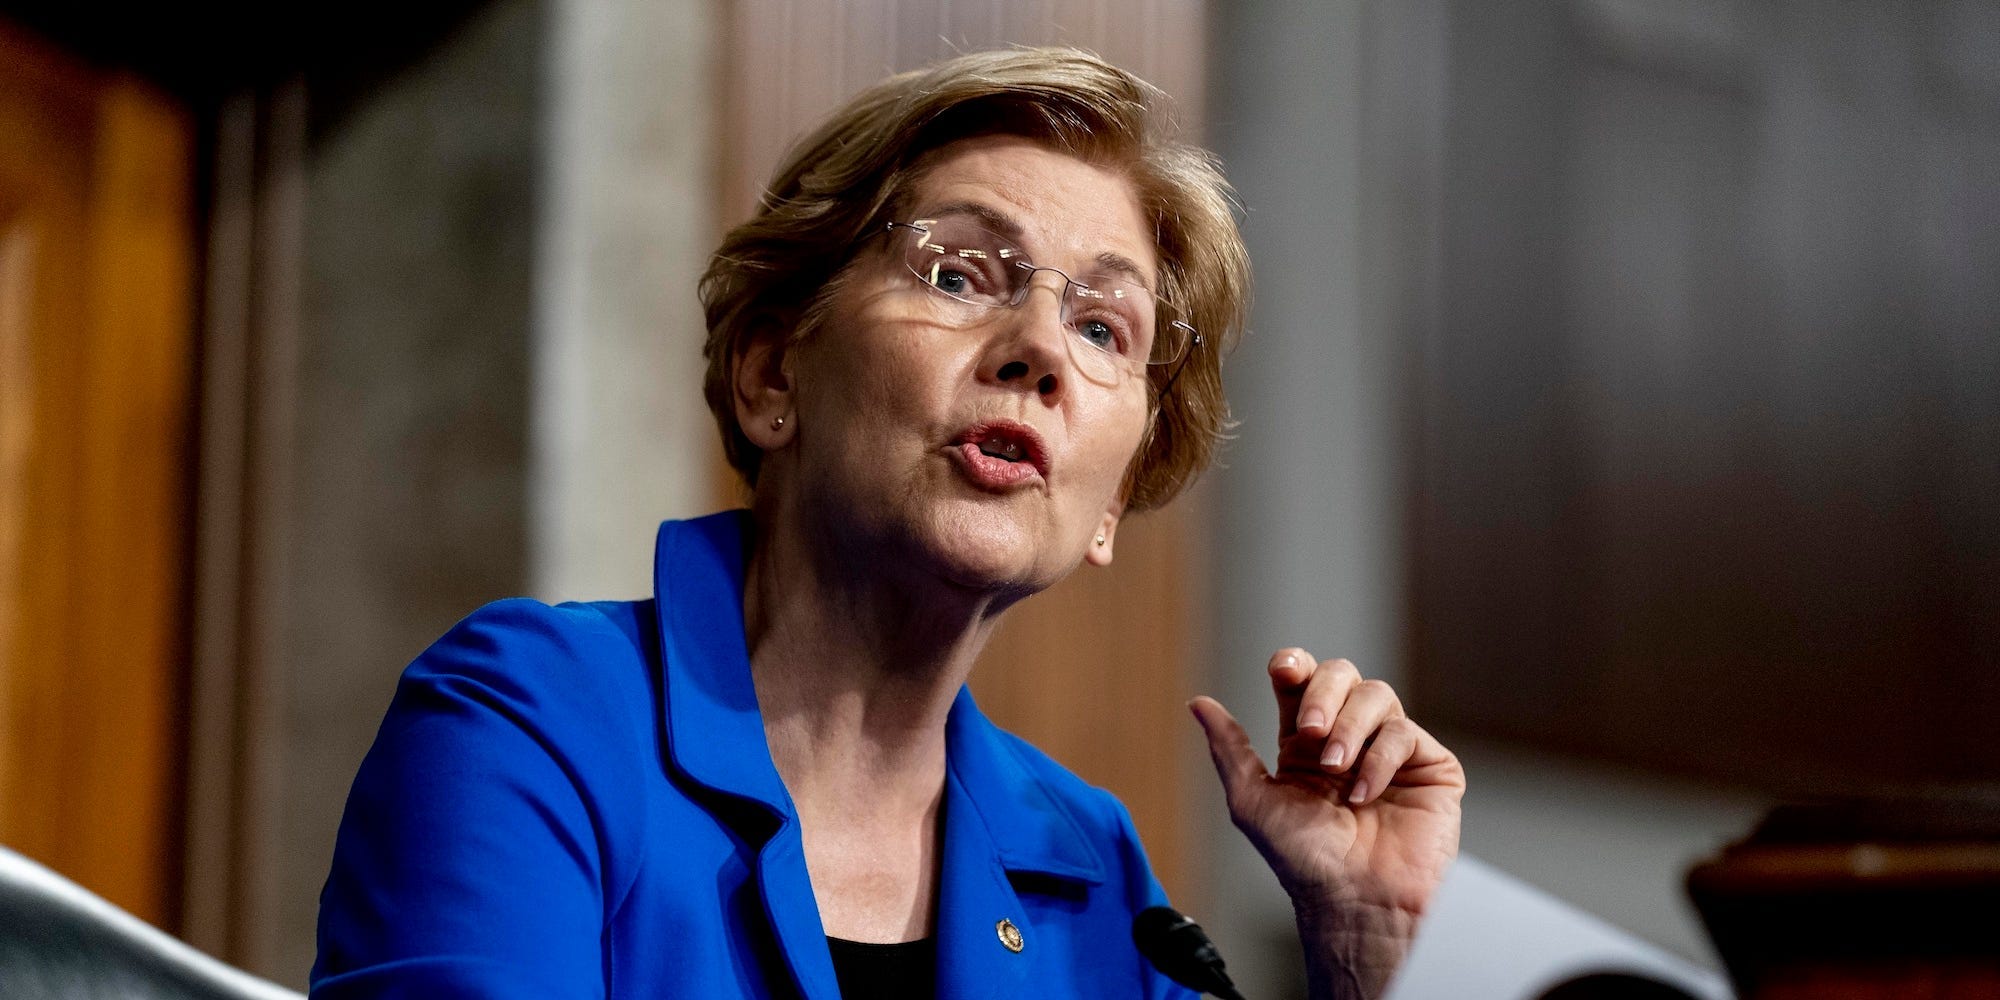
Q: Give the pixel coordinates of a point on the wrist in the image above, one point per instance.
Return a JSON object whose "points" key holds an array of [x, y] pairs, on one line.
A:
{"points": [[1352, 948]]}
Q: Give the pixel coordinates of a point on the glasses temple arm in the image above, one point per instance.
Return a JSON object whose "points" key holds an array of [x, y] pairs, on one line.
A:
{"points": [[1182, 366]]}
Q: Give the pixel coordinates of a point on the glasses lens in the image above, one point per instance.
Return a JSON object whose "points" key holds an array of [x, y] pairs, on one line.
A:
{"points": [[1124, 325], [965, 261], [1125, 319]]}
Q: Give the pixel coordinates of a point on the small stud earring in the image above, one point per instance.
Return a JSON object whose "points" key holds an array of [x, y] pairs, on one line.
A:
{"points": [[1100, 539], [777, 423]]}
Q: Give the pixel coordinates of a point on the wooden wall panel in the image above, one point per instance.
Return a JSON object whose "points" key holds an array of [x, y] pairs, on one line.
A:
{"points": [[46, 113], [97, 404], [1097, 671], [134, 498]]}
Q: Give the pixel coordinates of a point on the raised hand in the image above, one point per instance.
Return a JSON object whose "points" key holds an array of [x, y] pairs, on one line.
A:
{"points": [[1359, 821]]}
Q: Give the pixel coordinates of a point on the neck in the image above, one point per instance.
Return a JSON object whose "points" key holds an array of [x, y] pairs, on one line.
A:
{"points": [[855, 665]]}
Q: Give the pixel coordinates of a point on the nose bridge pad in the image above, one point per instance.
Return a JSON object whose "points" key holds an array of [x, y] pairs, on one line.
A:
{"points": [[1060, 288], [1029, 311]]}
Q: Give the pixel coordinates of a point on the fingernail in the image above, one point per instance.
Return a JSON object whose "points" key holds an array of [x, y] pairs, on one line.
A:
{"points": [[1336, 755], [1360, 792], [1313, 719], [1291, 660]]}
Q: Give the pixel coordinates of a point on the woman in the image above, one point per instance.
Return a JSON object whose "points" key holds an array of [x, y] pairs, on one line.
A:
{"points": [[977, 322]]}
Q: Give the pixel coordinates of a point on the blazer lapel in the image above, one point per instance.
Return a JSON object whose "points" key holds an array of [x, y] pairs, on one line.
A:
{"points": [[985, 940], [999, 819], [715, 735]]}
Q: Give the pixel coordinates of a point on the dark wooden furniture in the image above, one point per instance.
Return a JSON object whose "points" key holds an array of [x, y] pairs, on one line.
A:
{"points": [[1863, 899]]}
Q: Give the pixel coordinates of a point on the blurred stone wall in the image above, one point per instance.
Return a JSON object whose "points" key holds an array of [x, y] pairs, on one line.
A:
{"points": [[497, 364], [409, 475]]}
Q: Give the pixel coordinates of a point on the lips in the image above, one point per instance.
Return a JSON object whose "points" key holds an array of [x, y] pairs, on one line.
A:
{"points": [[1001, 453]]}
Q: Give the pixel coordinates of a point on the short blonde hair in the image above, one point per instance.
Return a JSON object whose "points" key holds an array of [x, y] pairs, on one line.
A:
{"points": [[839, 184]]}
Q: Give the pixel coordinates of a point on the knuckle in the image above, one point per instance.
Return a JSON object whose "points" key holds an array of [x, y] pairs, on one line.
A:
{"points": [[1331, 684], [1381, 691]]}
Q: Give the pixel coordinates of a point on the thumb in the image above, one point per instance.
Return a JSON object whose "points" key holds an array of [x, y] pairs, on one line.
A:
{"points": [[1236, 761]]}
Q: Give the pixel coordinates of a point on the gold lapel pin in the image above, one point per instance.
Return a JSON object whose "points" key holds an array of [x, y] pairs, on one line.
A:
{"points": [[1010, 935]]}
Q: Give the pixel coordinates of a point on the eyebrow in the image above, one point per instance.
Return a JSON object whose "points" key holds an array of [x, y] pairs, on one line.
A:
{"points": [[992, 219], [1106, 261]]}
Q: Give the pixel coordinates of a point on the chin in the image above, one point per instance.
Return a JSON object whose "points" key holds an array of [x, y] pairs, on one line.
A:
{"points": [[988, 546]]}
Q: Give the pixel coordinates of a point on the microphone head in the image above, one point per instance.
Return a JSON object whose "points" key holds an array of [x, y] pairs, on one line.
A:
{"points": [[1155, 922], [1177, 947]]}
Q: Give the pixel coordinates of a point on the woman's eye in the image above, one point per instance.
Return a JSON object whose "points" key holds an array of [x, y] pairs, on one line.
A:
{"points": [[1099, 334], [949, 280]]}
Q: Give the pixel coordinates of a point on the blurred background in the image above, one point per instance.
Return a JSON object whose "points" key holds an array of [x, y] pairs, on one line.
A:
{"points": [[1624, 385]]}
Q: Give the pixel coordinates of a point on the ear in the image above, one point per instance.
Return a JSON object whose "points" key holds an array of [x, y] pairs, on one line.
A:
{"points": [[761, 384], [1099, 554]]}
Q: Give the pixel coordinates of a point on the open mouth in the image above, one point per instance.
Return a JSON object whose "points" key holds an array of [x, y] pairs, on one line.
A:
{"points": [[1009, 450], [1013, 449]]}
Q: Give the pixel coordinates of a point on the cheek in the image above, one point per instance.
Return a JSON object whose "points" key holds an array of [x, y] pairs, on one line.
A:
{"points": [[1123, 427], [868, 374], [903, 379]]}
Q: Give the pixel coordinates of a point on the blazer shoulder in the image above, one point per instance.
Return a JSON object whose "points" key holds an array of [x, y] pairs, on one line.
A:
{"points": [[520, 631], [564, 665]]}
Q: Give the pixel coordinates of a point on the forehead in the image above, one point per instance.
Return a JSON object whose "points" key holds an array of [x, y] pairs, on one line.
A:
{"points": [[1068, 210]]}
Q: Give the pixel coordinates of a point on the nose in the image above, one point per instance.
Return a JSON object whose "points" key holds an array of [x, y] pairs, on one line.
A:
{"points": [[1033, 351]]}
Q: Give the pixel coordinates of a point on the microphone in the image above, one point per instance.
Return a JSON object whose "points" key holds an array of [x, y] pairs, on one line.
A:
{"points": [[1177, 947]]}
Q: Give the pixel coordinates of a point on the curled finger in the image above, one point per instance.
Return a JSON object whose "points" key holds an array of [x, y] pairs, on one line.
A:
{"points": [[1369, 705], [1394, 744], [1324, 696], [1291, 671]]}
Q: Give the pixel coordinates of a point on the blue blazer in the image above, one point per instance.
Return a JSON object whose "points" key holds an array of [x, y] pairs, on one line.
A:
{"points": [[577, 801]]}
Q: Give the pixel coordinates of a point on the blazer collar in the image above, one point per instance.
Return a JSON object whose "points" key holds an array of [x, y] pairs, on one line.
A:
{"points": [[714, 732], [1031, 828], [1001, 818], [716, 736]]}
